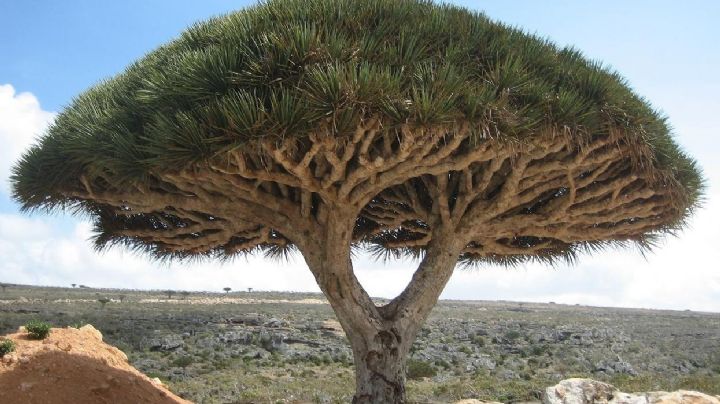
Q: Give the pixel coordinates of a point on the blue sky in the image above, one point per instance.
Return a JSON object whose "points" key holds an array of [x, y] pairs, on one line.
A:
{"points": [[668, 50]]}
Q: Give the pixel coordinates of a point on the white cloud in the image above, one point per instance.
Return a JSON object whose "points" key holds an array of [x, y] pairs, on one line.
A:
{"points": [[48, 255], [21, 121], [55, 251]]}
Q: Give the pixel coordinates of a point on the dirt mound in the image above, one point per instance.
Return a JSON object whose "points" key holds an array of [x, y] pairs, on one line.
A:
{"points": [[74, 366]]}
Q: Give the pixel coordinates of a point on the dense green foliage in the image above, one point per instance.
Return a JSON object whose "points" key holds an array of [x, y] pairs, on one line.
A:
{"points": [[37, 329], [6, 346], [417, 369], [291, 67]]}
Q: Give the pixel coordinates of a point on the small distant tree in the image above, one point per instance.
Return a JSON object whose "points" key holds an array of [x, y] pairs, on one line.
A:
{"points": [[437, 134], [3, 286], [122, 298], [185, 294], [103, 301], [227, 290], [250, 290], [73, 285], [183, 362], [169, 293]]}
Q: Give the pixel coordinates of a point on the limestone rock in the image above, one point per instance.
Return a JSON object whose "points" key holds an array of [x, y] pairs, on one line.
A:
{"points": [[252, 319], [681, 396], [579, 391], [276, 323], [587, 391], [166, 343]]}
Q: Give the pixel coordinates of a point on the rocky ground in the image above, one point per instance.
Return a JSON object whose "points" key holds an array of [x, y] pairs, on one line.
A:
{"points": [[282, 347]]}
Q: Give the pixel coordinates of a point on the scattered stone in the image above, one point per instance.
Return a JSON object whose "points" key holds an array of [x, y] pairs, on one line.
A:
{"points": [[276, 323], [166, 343], [332, 328], [9, 359], [613, 367], [484, 362], [25, 386], [241, 337], [252, 319]]}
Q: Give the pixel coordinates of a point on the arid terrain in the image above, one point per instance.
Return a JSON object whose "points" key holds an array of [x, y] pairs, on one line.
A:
{"points": [[270, 347]]}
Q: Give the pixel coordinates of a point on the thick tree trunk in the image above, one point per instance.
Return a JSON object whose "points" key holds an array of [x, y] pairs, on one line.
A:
{"points": [[380, 369], [380, 337]]}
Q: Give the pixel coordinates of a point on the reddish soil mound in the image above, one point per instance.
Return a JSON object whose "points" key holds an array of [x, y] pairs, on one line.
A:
{"points": [[74, 366]]}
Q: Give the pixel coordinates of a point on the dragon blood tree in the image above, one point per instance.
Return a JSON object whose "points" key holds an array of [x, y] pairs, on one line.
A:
{"points": [[396, 126]]}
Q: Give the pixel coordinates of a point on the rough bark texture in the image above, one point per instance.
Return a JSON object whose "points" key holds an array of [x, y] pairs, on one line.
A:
{"points": [[437, 192], [380, 337]]}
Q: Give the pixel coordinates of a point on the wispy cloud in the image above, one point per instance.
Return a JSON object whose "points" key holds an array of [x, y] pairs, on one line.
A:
{"points": [[21, 121]]}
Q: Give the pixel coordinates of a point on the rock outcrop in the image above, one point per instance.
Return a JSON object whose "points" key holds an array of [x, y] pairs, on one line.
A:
{"points": [[587, 391], [75, 366]]}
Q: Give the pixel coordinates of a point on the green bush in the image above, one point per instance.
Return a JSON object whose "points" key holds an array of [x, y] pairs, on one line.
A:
{"points": [[38, 329], [6, 346], [538, 350], [417, 369], [183, 361], [478, 340], [465, 349]]}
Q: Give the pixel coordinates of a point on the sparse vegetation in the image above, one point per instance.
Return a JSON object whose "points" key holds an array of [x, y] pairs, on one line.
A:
{"points": [[78, 324], [227, 290], [37, 329], [668, 350]]}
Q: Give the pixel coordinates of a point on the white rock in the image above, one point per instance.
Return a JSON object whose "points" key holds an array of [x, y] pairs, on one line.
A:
{"points": [[579, 391], [587, 391]]}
